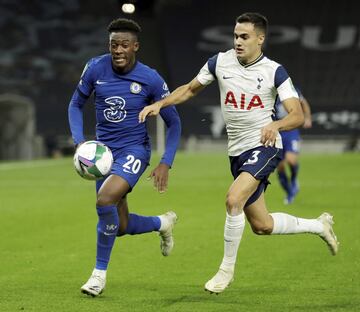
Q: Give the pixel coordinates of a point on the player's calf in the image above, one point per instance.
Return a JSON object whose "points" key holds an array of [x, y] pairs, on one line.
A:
{"points": [[261, 227]]}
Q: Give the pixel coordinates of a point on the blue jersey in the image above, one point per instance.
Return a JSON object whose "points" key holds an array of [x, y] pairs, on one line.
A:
{"points": [[119, 98]]}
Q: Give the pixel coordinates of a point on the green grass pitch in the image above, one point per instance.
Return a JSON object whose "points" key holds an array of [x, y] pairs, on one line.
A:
{"points": [[47, 235]]}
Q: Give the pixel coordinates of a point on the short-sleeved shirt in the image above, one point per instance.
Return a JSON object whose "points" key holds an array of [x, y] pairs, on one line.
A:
{"points": [[247, 96]]}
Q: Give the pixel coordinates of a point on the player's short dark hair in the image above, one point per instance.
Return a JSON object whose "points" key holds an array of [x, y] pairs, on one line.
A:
{"points": [[124, 24], [258, 20]]}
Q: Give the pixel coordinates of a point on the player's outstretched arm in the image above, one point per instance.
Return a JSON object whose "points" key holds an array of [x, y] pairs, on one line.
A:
{"points": [[178, 96]]}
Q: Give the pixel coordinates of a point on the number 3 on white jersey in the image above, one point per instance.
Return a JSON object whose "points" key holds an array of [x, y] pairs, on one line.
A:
{"points": [[132, 165], [253, 159]]}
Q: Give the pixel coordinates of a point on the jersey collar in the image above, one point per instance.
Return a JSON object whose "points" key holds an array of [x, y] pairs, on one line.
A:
{"points": [[258, 59], [121, 73]]}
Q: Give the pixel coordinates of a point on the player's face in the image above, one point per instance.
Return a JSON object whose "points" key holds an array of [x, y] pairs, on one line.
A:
{"points": [[123, 47], [247, 42]]}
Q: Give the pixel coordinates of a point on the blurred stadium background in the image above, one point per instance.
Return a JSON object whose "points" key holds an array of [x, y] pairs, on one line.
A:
{"points": [[45, 45]]}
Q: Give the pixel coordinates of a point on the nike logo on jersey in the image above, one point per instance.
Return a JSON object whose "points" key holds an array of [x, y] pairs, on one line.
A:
{"points": [[227, 77], [99, 82]]}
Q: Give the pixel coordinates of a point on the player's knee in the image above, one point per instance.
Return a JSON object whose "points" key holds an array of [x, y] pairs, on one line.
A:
{"points": [[232, 202], [292, 162], [291, 159], [261, 228], [104, 200]]}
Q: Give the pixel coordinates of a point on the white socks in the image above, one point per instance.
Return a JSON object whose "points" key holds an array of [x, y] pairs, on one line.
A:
{"points": [[287, 224], [233, 230], [283, 224]]}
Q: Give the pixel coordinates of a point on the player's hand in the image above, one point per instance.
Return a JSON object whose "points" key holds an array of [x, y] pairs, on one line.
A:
{"points": [[160, 176], [150, 110], [307, 123], [269, 134]]}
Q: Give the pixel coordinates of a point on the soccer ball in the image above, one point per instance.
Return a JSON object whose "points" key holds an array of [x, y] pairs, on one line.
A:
{"points": [[93, 160]]}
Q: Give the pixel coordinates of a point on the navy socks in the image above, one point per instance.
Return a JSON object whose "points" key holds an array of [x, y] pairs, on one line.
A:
{"points": [[294, 173], [141, 224], [284, 181], [107, 228]]}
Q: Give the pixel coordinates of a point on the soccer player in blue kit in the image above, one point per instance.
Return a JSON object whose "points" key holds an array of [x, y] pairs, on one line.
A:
{"points": [[249, 82], [291, 147], [122, 87]]}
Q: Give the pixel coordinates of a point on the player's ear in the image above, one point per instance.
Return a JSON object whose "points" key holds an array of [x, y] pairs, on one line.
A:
{"points": [[261, 39], [136, 46]]}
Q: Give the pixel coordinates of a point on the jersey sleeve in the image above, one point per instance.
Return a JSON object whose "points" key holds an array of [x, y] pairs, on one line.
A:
{"points": [[207, 73], [159, 88], [75, 116], [301, 96], [284, 85], [171, 118], [173, 133], [75, 109], [87, 79]]}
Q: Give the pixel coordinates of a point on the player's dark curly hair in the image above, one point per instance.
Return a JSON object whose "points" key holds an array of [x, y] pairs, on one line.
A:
{"points": [[124, 24], [260, 21]]}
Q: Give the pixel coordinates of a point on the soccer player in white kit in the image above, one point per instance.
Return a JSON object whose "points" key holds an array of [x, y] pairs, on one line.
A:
{"points": [[249, 83]]}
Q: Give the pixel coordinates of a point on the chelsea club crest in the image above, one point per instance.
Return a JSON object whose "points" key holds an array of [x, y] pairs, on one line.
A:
{"points": [[135, 87]]}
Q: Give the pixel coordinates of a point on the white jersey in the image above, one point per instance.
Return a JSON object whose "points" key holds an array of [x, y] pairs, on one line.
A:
{"points": [[247, 96]]}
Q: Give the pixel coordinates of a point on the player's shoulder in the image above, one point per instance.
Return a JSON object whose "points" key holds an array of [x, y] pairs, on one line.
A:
{"points": [[272, 69], [222, 60], [145, 69], [97, 62], [265, 61], [148, 74], [95, 66], [150, 77], [227, 56], [229, 53]]}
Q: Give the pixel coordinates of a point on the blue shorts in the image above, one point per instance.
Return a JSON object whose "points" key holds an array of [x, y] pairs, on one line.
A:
{"points": [[260, 162], [290, 140], [129, 163]]}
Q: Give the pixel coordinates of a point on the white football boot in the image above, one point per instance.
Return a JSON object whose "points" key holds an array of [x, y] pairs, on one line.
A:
{"points": [[221, 280], [168, 221], [95, 285], [328, 234]]}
